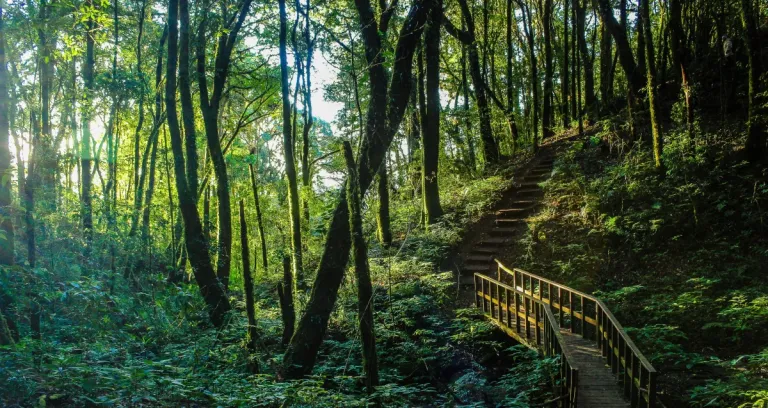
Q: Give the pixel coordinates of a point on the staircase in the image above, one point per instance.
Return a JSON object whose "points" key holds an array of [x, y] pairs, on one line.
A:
{"points": [[600, 366]]}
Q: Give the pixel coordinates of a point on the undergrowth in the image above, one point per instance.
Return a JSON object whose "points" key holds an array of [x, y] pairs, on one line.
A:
{"points": [[680, 256]]}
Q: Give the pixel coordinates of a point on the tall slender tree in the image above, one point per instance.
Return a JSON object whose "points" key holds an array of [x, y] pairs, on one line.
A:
{"points": [[289, 157], [8, 240], [430, 152], [386, 108], [197, 246]]}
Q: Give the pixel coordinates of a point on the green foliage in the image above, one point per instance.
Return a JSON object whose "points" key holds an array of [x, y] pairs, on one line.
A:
{"points": [[678, 257]]}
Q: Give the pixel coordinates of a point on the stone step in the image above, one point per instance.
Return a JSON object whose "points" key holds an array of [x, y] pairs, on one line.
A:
{"points": [[490, 241], [504, 232], [509, 221], [467, 281], [479, 258], [476, 268], [484, 249], [514, 211], [529, 191]]}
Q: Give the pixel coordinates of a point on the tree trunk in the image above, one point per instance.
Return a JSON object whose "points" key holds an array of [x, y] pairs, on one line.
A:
{"points": [[651, 74], [197, 247], [385, 112], [289, 158], [430, 152], [210, 106], [250, 309], [546, 111], [586, 61], [285, 294], [362, 272], [566, 94], [86, 210], [7, 249], [255, 188], [309, 120], [490, 146], [756, 134], [384, 230], [185, 93], [606, 67], [619, 34]]}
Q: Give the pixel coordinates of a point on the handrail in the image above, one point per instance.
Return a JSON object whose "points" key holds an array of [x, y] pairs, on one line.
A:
{"points": [[592, 319], [504, 303]]}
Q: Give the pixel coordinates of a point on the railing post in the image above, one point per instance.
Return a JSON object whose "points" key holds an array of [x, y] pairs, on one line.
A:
{"points": [[573, 316], [651, 389], [507, 303], [527, 303], [583, 316], [477, 298], [560, 305]]}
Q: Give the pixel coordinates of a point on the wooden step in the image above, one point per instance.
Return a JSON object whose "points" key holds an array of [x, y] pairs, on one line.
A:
{"points": [[528, 183]]}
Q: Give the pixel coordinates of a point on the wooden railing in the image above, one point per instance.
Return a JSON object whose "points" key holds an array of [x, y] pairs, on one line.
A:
{"points": [[509, 307], [578, 313]]}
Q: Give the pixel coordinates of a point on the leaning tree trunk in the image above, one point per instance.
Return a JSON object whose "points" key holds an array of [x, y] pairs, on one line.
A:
{"points": [[197, 247], [624, 49], [490, 146], [385, 112], [210, 105]]}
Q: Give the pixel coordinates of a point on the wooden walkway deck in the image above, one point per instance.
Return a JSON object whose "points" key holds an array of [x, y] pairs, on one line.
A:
{"points": [[600, 365]]}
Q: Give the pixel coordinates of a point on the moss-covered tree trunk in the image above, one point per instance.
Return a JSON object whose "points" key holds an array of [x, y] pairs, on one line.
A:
{"points": [[650, 69], [8, 246], [546, 109], [430, 152], [197, 246], [756, 133], [250, 309], [385, 112], [362, 273], [384, 229], [289, 157]]}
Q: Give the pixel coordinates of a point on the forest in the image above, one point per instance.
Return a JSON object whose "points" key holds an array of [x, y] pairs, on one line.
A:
{"points": [[333, 203]]}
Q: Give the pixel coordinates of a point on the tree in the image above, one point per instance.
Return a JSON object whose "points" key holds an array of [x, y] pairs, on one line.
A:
{"points": [[86, 210], [651, 74], [430, 152], [619, 34], [490, 146], [362, 272], [196, 244], [210, 105], [7, 234], [756, 134], [250, 309], [546, 110], [385, 112], [289, 158]]}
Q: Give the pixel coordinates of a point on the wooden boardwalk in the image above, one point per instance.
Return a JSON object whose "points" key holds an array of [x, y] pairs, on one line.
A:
{"points": [[600, 366]]}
